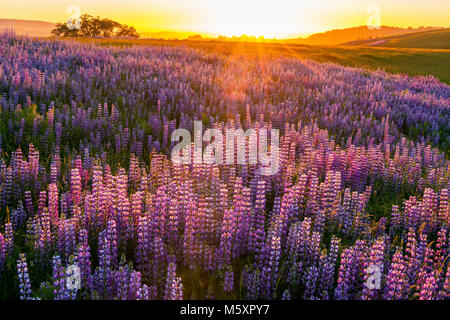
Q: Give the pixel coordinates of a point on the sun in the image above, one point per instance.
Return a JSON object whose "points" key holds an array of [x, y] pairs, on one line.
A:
{"points": [[253, 18]]}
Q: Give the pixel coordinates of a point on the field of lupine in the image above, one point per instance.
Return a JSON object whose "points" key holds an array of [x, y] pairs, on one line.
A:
{"points": [[86, 177]]}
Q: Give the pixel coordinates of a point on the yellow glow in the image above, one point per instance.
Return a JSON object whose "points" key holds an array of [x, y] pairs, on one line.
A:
{"points": [[254, 18], [269, 18]]}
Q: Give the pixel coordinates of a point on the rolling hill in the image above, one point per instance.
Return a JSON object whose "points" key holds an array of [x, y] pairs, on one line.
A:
{"points": [[340, 36], [434, 39], [332, 37], [32, 28]]}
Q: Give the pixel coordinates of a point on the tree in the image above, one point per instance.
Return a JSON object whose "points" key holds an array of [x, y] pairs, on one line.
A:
{"points": [[195, 37], [62, 30], [96, 27], [127, 32]]}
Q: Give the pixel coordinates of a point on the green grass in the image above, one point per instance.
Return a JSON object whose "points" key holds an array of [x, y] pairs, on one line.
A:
{"points": [[439, 39], [434, 39], [413, 62]]}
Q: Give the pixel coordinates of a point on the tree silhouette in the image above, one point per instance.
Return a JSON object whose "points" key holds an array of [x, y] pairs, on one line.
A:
{"points": [[95, 27]]}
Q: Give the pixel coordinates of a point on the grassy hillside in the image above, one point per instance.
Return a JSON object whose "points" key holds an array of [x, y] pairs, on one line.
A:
{"points": [[431, 40], [339, 36], [436, 39], [410, 61], [27, 27]]}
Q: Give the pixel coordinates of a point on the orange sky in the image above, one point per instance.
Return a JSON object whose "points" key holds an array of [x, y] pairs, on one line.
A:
{"points": [[270, 18]]}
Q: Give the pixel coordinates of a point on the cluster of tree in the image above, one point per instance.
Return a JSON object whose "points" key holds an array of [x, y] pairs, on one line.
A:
{"points": [[89, 26], [195, 37]]}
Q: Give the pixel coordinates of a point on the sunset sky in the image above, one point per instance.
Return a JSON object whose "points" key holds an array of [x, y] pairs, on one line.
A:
{"points": [[270, 18]]}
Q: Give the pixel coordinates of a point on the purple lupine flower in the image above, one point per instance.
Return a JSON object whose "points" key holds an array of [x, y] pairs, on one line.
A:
{"points": [[122, 282], [29, 203], [83, 260], [53, 202], [59, 280], [135, 285], [111, 241], [24, 279], [445, 292], [75, 185], [9, 238], [396, 280], [206, 216], [174, 287], [226, 244], [160, 259], [18, 216], [146, 293], [429, 288], [352, 264], [251, 279], [375, 260], [2, 252], [257, 235], [103, 275], [328, 268], [228, 280], [441, 251], [311, 283], [411, 256], [443, 215]]}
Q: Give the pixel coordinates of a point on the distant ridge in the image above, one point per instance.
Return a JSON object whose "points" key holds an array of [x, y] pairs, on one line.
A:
{"points": [[170, 35], [341, 36], [434, 39], [33, 28], [36, 28]]}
